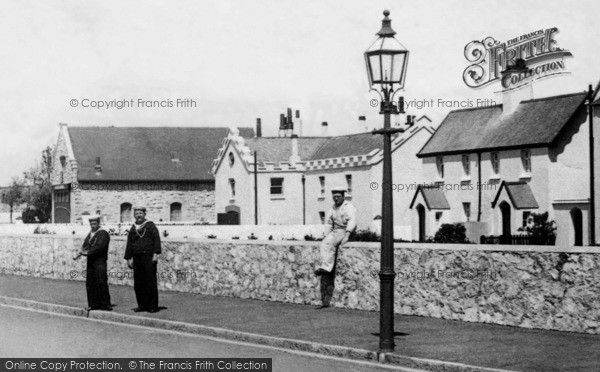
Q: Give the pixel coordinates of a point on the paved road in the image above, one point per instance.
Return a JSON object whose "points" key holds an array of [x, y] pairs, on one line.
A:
{"points": [[37, 334]]}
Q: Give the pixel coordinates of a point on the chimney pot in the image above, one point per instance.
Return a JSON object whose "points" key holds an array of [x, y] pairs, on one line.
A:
{"points": [[258, 128]]}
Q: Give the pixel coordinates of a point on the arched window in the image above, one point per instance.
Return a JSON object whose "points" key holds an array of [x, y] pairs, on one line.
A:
{"points": [[126, 214], [176, 212]]}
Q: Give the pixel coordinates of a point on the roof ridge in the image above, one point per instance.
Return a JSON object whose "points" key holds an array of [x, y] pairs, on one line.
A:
{"points": [[529, 100], [555, 97], [475, 108]]}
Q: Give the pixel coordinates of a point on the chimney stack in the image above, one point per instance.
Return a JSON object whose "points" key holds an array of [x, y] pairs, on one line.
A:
{"points": [[299, 123], [364, 120], [258, 128], [295, 158], [324, 131], [512, 97]]}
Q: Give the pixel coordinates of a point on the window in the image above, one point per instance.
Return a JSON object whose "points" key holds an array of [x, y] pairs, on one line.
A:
{"points": [[61, 196], [231, 159], [495, 162], [322, 217], [526, 160], [467, 208], [174, 156], [349, 184], [63, 162], [231, 188], [276, 186], [322, 183], [176, 212], [439, 161], [466, 162], [526, 218], [438, 216], [126, 215]]}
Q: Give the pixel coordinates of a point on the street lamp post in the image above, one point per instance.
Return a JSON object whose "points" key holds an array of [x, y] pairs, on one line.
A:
{"points": [[386, 63]]}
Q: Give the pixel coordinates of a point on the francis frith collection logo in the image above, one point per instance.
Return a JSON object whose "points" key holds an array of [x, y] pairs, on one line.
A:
{"points": [[515, 62]]}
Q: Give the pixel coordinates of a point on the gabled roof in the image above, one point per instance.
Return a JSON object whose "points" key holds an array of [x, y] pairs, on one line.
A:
{"points": [[279, 149], [144, 153], [535, 123], [434, 197], [520, 195], [351, 145]]}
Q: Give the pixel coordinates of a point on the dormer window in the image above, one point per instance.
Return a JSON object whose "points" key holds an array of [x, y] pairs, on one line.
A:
{"points": [[174, 156], [231, 159], [63, 162]]}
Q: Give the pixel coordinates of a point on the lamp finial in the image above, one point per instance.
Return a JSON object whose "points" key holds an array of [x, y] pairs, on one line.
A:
{"points": [[386, 26]]}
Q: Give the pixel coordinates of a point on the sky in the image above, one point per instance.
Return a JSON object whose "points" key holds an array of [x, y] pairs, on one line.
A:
{"points": [[245, 59]]}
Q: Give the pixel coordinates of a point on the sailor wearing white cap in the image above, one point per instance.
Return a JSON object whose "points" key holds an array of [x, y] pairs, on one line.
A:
{"points": [[341, 222], [95, 247]]}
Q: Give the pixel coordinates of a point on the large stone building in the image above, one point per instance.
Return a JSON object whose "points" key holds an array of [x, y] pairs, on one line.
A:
{"points": [[494, 166], [108, 170], [295, 176]]}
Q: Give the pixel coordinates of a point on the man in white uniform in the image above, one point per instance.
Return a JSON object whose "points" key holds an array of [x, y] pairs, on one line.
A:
{"points": [[341, 222]]}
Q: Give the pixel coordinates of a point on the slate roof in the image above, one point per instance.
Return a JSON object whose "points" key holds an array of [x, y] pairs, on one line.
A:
{"points": [[355, 144], [434, 197], [279, 149], [535, 123], [520, 195], [144, 153]]}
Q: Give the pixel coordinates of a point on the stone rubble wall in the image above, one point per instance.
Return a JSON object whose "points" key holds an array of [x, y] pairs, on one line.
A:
{"points": [[531, 287]]}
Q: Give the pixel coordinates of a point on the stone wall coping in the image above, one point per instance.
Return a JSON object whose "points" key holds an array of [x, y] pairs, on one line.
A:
{"points": [[431, 246]]}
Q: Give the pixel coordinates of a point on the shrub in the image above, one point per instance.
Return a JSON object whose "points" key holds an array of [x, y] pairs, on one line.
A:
{"points": [[165, 233], [540, 227], [252, 237], [451, 233], [28, 216], [211, 236], [235, 237], [365, 236], [310, 238], [42, 230]]}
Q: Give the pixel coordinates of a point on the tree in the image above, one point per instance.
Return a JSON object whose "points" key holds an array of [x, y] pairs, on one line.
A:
{"points": [[13, 195], [540, 229], [39, 195]]}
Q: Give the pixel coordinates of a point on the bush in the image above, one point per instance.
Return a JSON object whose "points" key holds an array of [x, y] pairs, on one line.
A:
{"points": [[211, 236], [540, 227], [310, 238], [369, 236], [252, 237], [365, 236], [42, 230], [28, 216], [165, 233], [451, 233]]}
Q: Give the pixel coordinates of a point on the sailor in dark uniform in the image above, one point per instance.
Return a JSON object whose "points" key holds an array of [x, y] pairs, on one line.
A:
{"points": [[141, 253], [95, 247]]}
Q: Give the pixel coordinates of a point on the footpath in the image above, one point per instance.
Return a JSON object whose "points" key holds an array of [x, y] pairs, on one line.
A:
{"points": [[421, 342]]}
